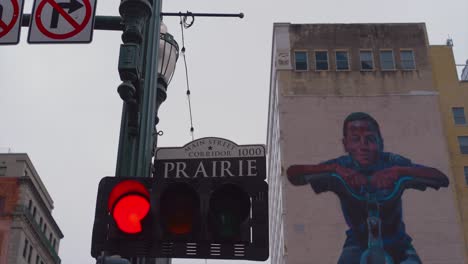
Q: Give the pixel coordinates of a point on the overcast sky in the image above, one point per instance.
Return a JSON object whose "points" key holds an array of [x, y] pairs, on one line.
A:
{"points": [[59, 103]]}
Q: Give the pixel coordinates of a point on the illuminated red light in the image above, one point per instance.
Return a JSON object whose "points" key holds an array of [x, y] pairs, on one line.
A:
{"points": [[129, 211], [129, 204]]}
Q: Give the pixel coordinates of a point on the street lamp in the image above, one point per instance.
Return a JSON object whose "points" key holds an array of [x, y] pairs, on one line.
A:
{"points": [[168, 55]]}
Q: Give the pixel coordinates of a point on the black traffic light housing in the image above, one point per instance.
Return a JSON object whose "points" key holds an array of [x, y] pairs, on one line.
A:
{"points": [[188, 218], [207, 200], [229, 219]]}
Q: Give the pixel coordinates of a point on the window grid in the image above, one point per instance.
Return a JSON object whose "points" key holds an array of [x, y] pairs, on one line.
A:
{"points": [[2, 205], [407, 60], [300, 61], [387, 61], [30, 253], [465, 170], [321, 60], [342, 60], [463, 142], [459, 115], [25, 249], [367, 60]]}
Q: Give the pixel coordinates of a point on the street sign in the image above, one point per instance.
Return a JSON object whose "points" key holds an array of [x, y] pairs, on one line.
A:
{"points": [[211, 158], [62, 21], [10, 21]]}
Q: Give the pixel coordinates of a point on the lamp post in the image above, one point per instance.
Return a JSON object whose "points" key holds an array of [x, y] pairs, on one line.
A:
{"points": [[143, 88]]}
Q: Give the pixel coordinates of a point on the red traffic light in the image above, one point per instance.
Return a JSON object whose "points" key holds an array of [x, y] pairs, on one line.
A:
{"points": [[129, 204]]}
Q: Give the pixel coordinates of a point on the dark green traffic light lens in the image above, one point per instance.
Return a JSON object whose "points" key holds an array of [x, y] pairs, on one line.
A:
{"points": [[229, 208]]}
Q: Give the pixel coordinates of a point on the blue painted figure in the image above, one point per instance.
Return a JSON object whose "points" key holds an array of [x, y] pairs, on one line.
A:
{"points": [[365, 166]]}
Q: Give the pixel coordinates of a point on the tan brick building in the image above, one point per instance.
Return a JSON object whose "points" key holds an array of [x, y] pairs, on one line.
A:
{"points": [[28, 232], [453, 99], [320, 73]]}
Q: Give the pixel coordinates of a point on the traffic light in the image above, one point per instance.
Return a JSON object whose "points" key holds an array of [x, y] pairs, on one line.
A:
{"points": [[224, 218], [123, 218], [207, 199]]}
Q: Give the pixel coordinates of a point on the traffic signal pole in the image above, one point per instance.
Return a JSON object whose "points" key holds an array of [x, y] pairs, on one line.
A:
{"points": [[138, 115], [141, 27]]}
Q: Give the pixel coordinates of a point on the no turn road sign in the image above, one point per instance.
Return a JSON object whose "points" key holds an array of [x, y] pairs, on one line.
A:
{"points": [[62, 21], [10, 21]]}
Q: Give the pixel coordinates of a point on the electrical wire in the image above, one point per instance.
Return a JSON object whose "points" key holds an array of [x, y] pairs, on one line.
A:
{"points": [[184, 24]]}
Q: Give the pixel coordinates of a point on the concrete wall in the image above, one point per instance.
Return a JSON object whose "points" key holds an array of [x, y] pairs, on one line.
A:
{"points": [[353, 38], [311, 132]]}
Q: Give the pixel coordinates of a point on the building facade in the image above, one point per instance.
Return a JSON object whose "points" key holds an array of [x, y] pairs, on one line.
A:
{"points": [[320, 73], [453, 98], [28, 232]]}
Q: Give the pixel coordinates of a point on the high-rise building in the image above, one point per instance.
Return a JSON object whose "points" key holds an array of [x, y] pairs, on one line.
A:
{"points": [[320, 74], [28, 232]]}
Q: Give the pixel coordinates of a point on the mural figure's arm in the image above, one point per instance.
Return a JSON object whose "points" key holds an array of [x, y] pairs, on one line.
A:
{"points": [[385, 178], [297, 173]]}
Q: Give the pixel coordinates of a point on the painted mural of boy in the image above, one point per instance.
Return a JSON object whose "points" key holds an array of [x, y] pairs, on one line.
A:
{"points": [[366, 161]]}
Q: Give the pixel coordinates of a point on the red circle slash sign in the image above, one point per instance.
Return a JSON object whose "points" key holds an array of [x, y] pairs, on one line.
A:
{"points": [[7, 27], [77, 26]]}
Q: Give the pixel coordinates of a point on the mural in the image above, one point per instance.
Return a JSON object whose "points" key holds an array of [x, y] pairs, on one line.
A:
{"points": [[369, 183]]}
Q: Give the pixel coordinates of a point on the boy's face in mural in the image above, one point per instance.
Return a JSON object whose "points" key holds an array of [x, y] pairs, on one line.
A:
{"points": [[362, 142]]}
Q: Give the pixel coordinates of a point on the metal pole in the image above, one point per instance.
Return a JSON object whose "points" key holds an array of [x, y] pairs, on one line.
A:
{"points": [[138, 119]]}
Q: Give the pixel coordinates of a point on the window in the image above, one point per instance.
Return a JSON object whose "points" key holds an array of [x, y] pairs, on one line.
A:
{"points": [[3, 171], [26, 242], [459, 115], [342, 63], [407, 60], [300, 58], [2, 205], [1, 238], [50, 237], [465, 170], [30, 253], [321, 60], [386, 60], [34, 212], [463, 142], [37, 259], [29, 205], [367, 62], [40, 222]]}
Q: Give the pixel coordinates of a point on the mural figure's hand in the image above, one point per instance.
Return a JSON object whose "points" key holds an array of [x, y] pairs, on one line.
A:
{"points": [[352, 177], [384, 179]]}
